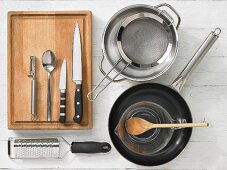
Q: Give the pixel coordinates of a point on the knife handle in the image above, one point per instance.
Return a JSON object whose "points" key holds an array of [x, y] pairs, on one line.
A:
{"points": [[78, 104], [62, 106]]}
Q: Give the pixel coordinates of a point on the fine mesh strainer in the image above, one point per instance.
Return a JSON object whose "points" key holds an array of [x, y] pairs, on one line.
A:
{"points": [[143, 41], [140, 42]]}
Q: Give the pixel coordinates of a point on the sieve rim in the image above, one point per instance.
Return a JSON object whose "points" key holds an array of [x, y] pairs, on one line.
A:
{"points": [[172, 28], [129, 20]]}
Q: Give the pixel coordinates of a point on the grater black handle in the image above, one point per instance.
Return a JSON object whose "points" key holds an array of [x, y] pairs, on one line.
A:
{"points": [[9, 147], [90, 147]]}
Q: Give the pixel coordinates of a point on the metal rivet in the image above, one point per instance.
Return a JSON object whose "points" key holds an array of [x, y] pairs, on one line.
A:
{"points": [[78, 103], [78, 116]]}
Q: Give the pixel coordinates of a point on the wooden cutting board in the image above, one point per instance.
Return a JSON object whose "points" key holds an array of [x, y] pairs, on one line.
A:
{"points": [[30, 34]]}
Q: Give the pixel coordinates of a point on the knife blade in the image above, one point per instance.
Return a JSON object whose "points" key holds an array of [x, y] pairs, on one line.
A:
{"points": [[63, 92], [77, 75]]}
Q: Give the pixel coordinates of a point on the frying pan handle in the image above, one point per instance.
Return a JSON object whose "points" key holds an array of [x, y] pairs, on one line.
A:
{"points": [[174, 11], [179, 82], [104, 73]]}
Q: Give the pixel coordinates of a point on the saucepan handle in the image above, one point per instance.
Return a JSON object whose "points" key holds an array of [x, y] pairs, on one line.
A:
{"points": [[174, 11], [179, 82]]}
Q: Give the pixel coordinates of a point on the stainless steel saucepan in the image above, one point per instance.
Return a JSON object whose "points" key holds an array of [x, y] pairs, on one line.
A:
{"points": [[140, 43]]}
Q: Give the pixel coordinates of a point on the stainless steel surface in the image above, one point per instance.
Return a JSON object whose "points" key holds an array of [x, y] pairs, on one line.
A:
{"points": [[63, 76], [32, 67], [49, 63], [111, 52], [32, 74], [34, 98], [143, 40], [77, 62], [77, 75], [179, 82], [58, 147], [91, 95], [34, 148], [62, 88], [135, 46], [173, 10], [105, 74]]}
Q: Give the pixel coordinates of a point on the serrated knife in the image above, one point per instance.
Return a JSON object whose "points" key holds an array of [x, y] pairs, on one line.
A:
{"points": [[77, 75], [63, 93]]}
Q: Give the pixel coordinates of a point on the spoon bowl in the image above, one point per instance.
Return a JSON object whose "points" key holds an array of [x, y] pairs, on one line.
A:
{"points": [[48, 61]]}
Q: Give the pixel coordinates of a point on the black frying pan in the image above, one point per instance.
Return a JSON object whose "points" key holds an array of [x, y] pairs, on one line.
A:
{"points": [[169, 99]]}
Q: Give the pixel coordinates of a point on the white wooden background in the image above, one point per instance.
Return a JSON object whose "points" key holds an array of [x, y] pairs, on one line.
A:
{"points": [[205, 92]]}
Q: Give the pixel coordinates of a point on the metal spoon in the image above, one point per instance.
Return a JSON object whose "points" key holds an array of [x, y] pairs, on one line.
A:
{"points": [[137, 126], [49, 63]]}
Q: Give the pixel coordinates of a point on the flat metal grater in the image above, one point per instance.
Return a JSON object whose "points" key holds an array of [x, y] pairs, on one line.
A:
{"points": [[51, 147], [33, 148]]}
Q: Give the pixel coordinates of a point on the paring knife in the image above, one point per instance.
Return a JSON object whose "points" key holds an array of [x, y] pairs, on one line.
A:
{"points": [[77, 75], [63, 93]]}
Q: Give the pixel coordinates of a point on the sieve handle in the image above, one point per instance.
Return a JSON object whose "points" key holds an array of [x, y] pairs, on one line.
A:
{"points": [[104, 73], [92, 95], [179, 82], [174, 11]]}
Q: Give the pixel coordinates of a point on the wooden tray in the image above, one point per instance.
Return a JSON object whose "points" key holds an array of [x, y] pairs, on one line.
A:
{"points": [[32, 33]]}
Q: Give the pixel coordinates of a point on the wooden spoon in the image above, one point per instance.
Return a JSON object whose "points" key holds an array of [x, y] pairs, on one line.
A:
{"points": [[137, 126]]}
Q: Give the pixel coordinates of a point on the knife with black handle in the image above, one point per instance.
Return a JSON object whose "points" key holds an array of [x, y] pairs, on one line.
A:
{"points": [[78, 104], [62, 106], [62, 118], [77, 75]]}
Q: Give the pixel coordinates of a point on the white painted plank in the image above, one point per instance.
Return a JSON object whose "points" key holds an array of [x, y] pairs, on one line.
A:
{"points": [[202, 14]]}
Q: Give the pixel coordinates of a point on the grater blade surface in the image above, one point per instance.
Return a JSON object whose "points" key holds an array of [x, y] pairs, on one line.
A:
{"points": [[34, 148]]}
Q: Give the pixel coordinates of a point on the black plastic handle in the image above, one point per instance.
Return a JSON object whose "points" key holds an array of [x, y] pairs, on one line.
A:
{"points": [[62, 106], [78, 104], [90, 147]]}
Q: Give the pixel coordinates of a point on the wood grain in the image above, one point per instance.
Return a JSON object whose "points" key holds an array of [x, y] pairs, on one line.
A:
{"points": [[137, 126], [30, 34]]}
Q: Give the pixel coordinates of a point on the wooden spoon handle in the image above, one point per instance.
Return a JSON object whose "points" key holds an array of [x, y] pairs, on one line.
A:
{"points": [[180, 125]]}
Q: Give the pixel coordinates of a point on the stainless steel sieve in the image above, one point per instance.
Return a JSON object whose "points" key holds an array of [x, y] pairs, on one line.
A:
{"points": [[140, 43]]}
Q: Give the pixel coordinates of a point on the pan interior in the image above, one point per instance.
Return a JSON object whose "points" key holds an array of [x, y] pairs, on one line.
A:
{"points": [[144, 40]]}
